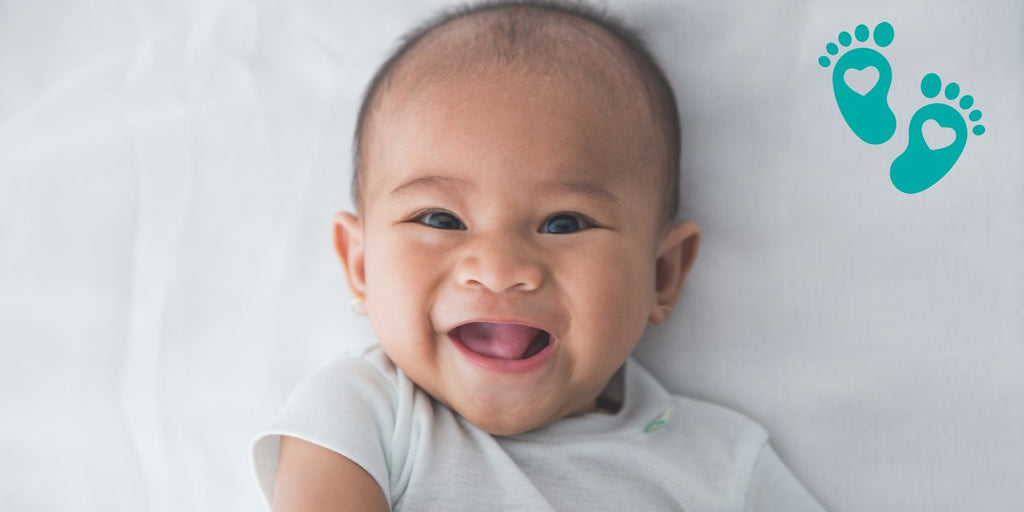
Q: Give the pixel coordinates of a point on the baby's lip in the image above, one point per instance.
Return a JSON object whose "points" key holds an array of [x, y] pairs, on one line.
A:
{"points": [[527, 323]]}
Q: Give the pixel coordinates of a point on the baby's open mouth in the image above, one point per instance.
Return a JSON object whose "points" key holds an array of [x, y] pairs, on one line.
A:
{"points": [[501, 341]]}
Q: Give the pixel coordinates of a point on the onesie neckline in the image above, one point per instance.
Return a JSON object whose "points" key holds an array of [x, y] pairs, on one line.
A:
{"points": [[644, 400]]}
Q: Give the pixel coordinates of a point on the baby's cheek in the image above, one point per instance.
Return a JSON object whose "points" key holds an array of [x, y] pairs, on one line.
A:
{"points": [[396, 294], [609, 286], [401, 277], [399, 257], [386, 268], [634, 284]]}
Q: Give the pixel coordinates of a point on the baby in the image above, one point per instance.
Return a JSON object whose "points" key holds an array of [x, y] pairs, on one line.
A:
{"points": [[516, 183]]}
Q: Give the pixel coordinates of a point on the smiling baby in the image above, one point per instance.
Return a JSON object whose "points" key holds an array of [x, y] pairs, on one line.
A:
{"points": [[516, 184]]}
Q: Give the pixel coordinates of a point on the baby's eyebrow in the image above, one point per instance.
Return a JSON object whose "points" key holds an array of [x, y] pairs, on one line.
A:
{"points": [[429, 181], [588, 190]]}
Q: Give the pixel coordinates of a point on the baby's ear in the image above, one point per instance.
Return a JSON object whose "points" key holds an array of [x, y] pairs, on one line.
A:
{"points": [[348, 242], [676, 253]]}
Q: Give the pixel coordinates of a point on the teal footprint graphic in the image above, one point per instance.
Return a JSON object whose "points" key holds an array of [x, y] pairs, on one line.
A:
{"points": [[867, 114], [922, 164]]}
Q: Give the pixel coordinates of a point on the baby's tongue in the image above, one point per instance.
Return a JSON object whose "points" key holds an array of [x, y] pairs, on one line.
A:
{"points": [[497, 341]]}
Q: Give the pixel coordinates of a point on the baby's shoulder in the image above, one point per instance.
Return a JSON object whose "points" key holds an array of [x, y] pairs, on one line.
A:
{"points": [[356, 398], [366, 373], [353, 406]]}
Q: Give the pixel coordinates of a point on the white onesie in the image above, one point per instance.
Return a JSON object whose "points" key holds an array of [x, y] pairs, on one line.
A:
{"points": [[658, 452]]}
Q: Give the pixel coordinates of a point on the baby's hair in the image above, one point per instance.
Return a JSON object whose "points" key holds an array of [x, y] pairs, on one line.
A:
{"points": [[511, 38]]}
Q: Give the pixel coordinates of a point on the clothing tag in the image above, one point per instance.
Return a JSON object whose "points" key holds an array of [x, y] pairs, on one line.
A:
{"points": [[659, 421]]}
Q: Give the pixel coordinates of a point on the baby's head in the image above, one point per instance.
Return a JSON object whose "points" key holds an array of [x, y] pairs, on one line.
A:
{"points": [[516, 173]]}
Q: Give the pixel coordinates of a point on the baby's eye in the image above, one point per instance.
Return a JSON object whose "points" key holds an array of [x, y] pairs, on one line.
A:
{"points": [[440, 220], [564, 223]]}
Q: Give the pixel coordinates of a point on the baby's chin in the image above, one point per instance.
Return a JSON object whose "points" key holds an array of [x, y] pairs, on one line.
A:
{"points": [[511, 423], [506, 426]]}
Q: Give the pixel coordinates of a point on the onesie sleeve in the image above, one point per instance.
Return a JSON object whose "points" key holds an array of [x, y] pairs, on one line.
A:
{"points": [[346, 407], [774, 488]]}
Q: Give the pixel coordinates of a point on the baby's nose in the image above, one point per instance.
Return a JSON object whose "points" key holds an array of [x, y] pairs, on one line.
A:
{"points": [[500, 267]]}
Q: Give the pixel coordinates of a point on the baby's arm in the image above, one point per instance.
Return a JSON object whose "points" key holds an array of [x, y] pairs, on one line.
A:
{"points": [[312, 478]]}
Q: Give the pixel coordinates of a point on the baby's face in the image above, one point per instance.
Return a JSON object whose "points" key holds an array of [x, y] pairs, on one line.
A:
{"points": [[509, 200]]}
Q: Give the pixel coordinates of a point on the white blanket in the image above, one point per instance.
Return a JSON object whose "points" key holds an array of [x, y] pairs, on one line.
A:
{"points": [[168, 172]]}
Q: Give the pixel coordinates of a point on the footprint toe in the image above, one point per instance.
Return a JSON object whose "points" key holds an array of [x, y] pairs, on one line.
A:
{"points": [[884, 34], [931, 84], [861, 32], [952, 91]]}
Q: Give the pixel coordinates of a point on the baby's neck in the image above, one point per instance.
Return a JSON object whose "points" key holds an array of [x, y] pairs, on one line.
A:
{"points": [[610, 400]]}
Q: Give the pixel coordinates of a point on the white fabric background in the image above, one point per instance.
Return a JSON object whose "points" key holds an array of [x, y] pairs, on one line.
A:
{"points": [[168, 172]]}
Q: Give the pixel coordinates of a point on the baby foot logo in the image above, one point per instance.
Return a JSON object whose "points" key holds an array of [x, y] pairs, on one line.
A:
{"points": [[861, 79], [929, 156], [864, 102]]}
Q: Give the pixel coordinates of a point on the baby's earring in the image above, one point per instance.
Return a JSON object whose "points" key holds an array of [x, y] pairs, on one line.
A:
{"points": [[665, 310], [358, 306]]}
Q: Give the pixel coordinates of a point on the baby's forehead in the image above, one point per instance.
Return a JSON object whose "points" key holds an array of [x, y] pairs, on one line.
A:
{"points": [[564, 56], [577, 126], [496, 87], [556, 48]]}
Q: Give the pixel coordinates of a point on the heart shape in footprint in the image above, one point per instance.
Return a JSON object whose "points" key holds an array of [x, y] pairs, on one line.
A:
{"points": [[861, 81], [937, 136]]}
